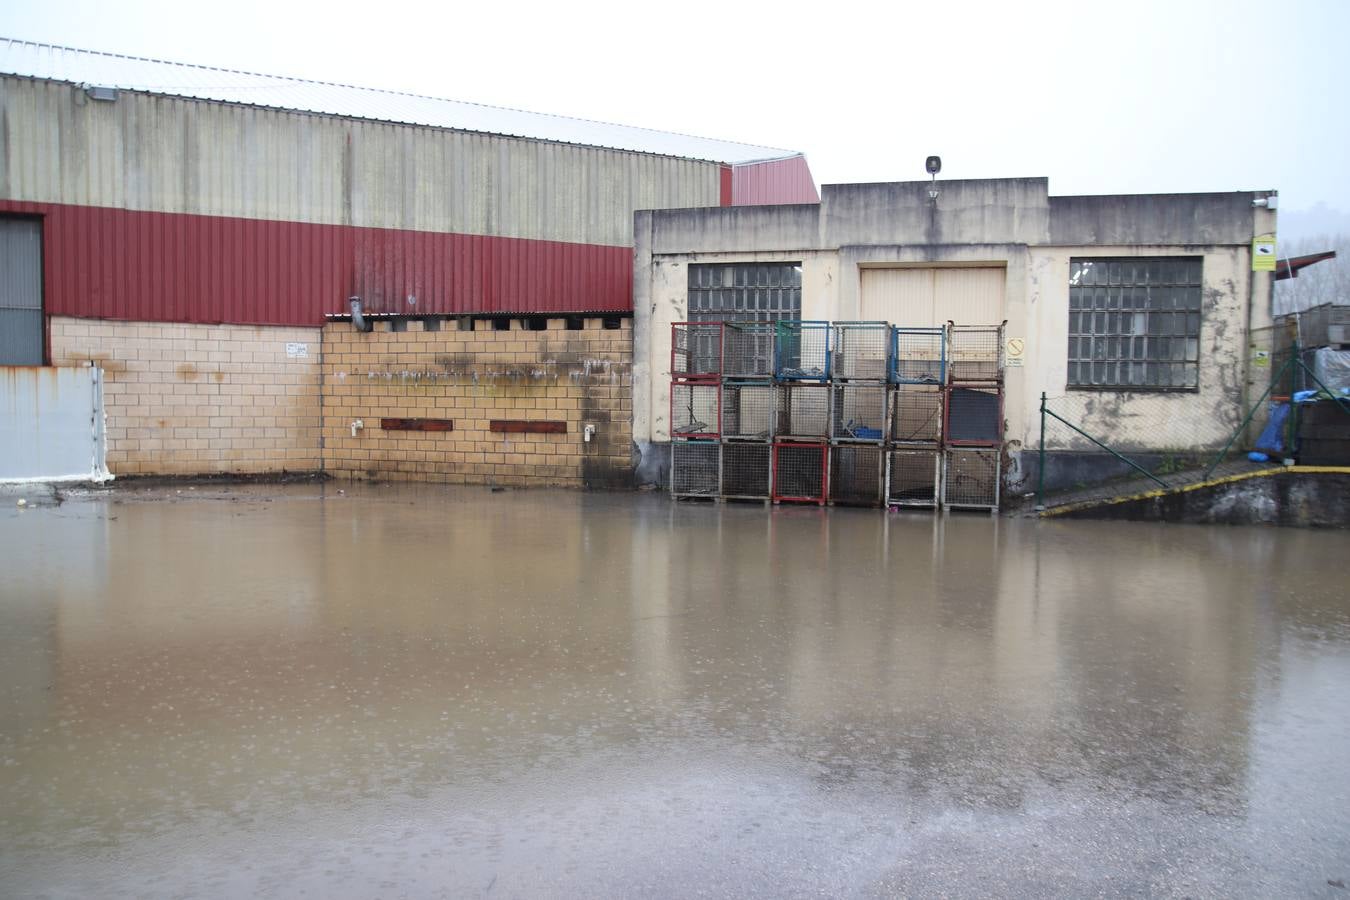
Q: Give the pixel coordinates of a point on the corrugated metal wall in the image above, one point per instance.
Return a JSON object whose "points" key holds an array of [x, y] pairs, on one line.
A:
{"points": [[168, 154], [168, 209], [122, 264], [773, 181]]}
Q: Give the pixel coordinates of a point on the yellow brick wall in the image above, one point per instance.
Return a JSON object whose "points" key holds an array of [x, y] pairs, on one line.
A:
{"points": [[200, 399], [580, 377]]}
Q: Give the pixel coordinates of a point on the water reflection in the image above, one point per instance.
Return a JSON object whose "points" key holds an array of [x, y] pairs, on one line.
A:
{"points": [[431, 688]]}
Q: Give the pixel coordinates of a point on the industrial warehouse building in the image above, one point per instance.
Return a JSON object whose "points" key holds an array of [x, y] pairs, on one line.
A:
{"points": [[1135, 312], [190, 237], [189, 231]]}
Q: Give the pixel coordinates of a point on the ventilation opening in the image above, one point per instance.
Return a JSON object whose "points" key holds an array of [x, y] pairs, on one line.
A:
{"points": [[611, 323], [501, 323], [575, 323], [533, 324], [431, 324], [398, 325], [464, 323]]}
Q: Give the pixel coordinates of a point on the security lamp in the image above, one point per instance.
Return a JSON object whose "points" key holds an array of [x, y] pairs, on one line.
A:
{"points": [[101, 92], [934, 165]]}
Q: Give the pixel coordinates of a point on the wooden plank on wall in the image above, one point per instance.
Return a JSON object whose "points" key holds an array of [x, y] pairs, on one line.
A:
{"points": [[523, 426], [417, 424]]}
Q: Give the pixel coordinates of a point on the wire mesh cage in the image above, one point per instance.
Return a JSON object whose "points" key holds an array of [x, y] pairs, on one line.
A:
{"points": [[916, 414], [974, 416], [747, 349], [695, 468], [695, 349], [861, 351], [746, 471], [802, 411], [974, 354], [802, 351], [695, 410], [858, 413], [800, 472], [971, 478], [913, 478], [918, 355], [748, 409], [856, 475]]}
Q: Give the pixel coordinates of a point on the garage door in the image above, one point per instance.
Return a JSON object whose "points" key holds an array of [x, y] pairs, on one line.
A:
{"points": [[919, 298]]}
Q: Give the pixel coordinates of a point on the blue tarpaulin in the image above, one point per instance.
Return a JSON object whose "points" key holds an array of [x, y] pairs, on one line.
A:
{"points": [[1272, 436]]}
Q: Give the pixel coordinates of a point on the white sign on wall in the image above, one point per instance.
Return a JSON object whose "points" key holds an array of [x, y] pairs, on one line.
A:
{"points": [[1014, 354], [297, 351]]}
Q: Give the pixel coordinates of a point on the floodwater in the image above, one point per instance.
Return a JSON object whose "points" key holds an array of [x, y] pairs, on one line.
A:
{"points": [[390, 691]]}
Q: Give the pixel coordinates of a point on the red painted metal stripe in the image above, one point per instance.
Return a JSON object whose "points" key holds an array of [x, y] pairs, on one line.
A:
{"points": [[728, 185], [773, 181], [167, 267]]}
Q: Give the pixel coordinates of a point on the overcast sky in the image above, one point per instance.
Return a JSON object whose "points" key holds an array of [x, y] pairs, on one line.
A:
{"points": [[1100, 97]]}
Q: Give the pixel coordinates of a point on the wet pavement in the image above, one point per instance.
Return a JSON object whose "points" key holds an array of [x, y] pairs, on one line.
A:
{"points": [[390, 691]]}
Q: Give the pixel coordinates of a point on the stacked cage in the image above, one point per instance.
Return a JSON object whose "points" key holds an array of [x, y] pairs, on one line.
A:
{"points": [[802, 420], [918, 375], [749, 401], [696, 358], [973, 416], [860, 359]]}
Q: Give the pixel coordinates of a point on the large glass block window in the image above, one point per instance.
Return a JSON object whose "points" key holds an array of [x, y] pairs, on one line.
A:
{"points": [[1134, 323], [745, 292]]}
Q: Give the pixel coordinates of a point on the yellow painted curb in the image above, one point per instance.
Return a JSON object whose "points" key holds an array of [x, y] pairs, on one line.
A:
{"points": [[1199, 485]]}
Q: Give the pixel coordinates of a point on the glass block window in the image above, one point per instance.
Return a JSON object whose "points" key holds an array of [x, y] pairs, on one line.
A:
{"points": [[1134, 323], [745, 292]]}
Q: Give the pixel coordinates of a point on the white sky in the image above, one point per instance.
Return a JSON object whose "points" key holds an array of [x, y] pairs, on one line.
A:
{"points": [[1100, 97]]}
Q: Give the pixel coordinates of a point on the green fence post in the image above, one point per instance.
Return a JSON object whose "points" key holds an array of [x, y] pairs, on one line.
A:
{"points": [[1040, 473]]}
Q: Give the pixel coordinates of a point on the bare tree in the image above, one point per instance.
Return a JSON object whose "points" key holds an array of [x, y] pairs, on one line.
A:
{"points": [[1323, 282]]}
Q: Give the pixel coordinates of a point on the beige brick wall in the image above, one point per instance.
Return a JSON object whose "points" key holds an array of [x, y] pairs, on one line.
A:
{"points": [[580, 377], [200, 399]]}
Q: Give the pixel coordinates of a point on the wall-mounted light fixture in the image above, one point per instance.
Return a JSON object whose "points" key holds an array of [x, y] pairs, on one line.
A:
{"points": [[103, 92], [933, 165]]}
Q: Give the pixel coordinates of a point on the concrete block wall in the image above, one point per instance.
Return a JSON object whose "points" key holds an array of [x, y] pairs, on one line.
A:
{"points": [[579, 377], [201, 399]]}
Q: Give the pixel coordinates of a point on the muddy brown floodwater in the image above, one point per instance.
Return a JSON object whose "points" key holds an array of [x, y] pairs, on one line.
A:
{"points": [[392, 691]]}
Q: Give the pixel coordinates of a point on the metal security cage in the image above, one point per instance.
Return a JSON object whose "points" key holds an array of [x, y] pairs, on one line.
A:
{"points": [[858, 413], [800, 472], [861, 351], [747, 471], [696, 350], [748, 409], [974, 354], [695, 468], [971, 478], [803, 411], [974, 416], [695, 409], [918, 355], [916, 415], [802, 351], [914, 478], [747, 349], [856, 475]]}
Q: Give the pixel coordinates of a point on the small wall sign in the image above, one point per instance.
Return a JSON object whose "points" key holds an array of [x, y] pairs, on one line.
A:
{"points": [[297, 351], [1263, 253]]}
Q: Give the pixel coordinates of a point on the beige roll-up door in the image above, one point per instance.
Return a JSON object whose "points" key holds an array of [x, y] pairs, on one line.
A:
{"points": [[920, 298]]}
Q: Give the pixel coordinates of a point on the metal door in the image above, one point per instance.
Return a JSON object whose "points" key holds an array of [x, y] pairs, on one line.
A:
{"points": [[21, 340]]}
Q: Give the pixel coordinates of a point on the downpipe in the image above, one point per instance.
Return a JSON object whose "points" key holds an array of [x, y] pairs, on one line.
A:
{"points": [[359, 321]]}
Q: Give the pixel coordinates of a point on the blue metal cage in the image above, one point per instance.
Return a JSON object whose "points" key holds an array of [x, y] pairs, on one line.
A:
{"points": [[918, 355]]}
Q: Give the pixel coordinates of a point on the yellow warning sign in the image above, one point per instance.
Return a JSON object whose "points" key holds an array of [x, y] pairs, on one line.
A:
{"points": [[1263, 253]]}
